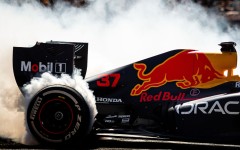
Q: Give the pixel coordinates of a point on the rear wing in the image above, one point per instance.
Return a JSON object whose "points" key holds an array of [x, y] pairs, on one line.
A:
{"points": [[54, 56]]}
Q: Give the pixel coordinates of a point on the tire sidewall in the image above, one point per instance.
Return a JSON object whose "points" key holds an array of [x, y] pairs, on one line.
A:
{"points": [[80, 110]]}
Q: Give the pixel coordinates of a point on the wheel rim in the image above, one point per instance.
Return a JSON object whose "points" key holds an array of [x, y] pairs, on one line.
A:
{"points": [[55, 116]]}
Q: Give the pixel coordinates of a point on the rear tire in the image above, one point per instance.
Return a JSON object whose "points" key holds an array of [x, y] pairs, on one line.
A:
{"points": [[59, 114]]}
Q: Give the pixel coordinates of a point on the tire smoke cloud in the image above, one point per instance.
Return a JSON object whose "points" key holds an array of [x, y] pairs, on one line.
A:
{"points": [[75, 81], [118, 33]]}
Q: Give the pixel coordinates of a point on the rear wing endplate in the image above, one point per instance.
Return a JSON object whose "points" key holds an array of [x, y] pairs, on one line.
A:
{"points": [[55, 57]]}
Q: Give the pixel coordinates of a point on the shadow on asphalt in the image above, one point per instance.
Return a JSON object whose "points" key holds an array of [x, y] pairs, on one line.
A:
{"points": [[120, 142]]}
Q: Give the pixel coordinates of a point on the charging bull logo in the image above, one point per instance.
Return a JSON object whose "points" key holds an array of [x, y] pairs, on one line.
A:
{"points": [[186, 69]]}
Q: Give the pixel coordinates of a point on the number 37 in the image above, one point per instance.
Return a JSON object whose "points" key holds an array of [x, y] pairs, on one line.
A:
{"points": [[109, 80]]}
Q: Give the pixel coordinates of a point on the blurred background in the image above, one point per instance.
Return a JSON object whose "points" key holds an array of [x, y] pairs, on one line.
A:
{"points": [[228, 8]]}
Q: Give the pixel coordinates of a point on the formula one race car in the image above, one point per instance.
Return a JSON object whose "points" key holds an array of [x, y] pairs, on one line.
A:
{"points": [[183, 94]]}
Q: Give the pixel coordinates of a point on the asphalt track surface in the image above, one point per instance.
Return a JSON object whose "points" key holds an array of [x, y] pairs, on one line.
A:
{"points": [[108, 141]]}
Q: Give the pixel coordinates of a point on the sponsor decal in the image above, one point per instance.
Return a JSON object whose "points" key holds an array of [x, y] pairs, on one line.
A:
{"points": [[237, 85], [108, 100], [41, 67], [109, 80], [162, 96], [123, 119], [185, 69], [206, 108], [194, 92], [35, 108]]}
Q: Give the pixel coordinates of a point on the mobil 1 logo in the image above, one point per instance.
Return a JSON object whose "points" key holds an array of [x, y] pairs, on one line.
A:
{"points": [[57, 67], [60, 67]]}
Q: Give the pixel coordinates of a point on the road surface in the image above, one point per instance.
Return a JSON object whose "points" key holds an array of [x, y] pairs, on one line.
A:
{"points": [[107, 141]]}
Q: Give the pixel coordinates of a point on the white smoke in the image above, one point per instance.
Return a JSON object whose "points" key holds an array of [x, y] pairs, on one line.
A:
{"points": [[75, 81], [118, 33]]}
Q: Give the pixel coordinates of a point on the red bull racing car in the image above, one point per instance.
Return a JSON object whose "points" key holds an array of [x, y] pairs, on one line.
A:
{"points": [[183, 94]]}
